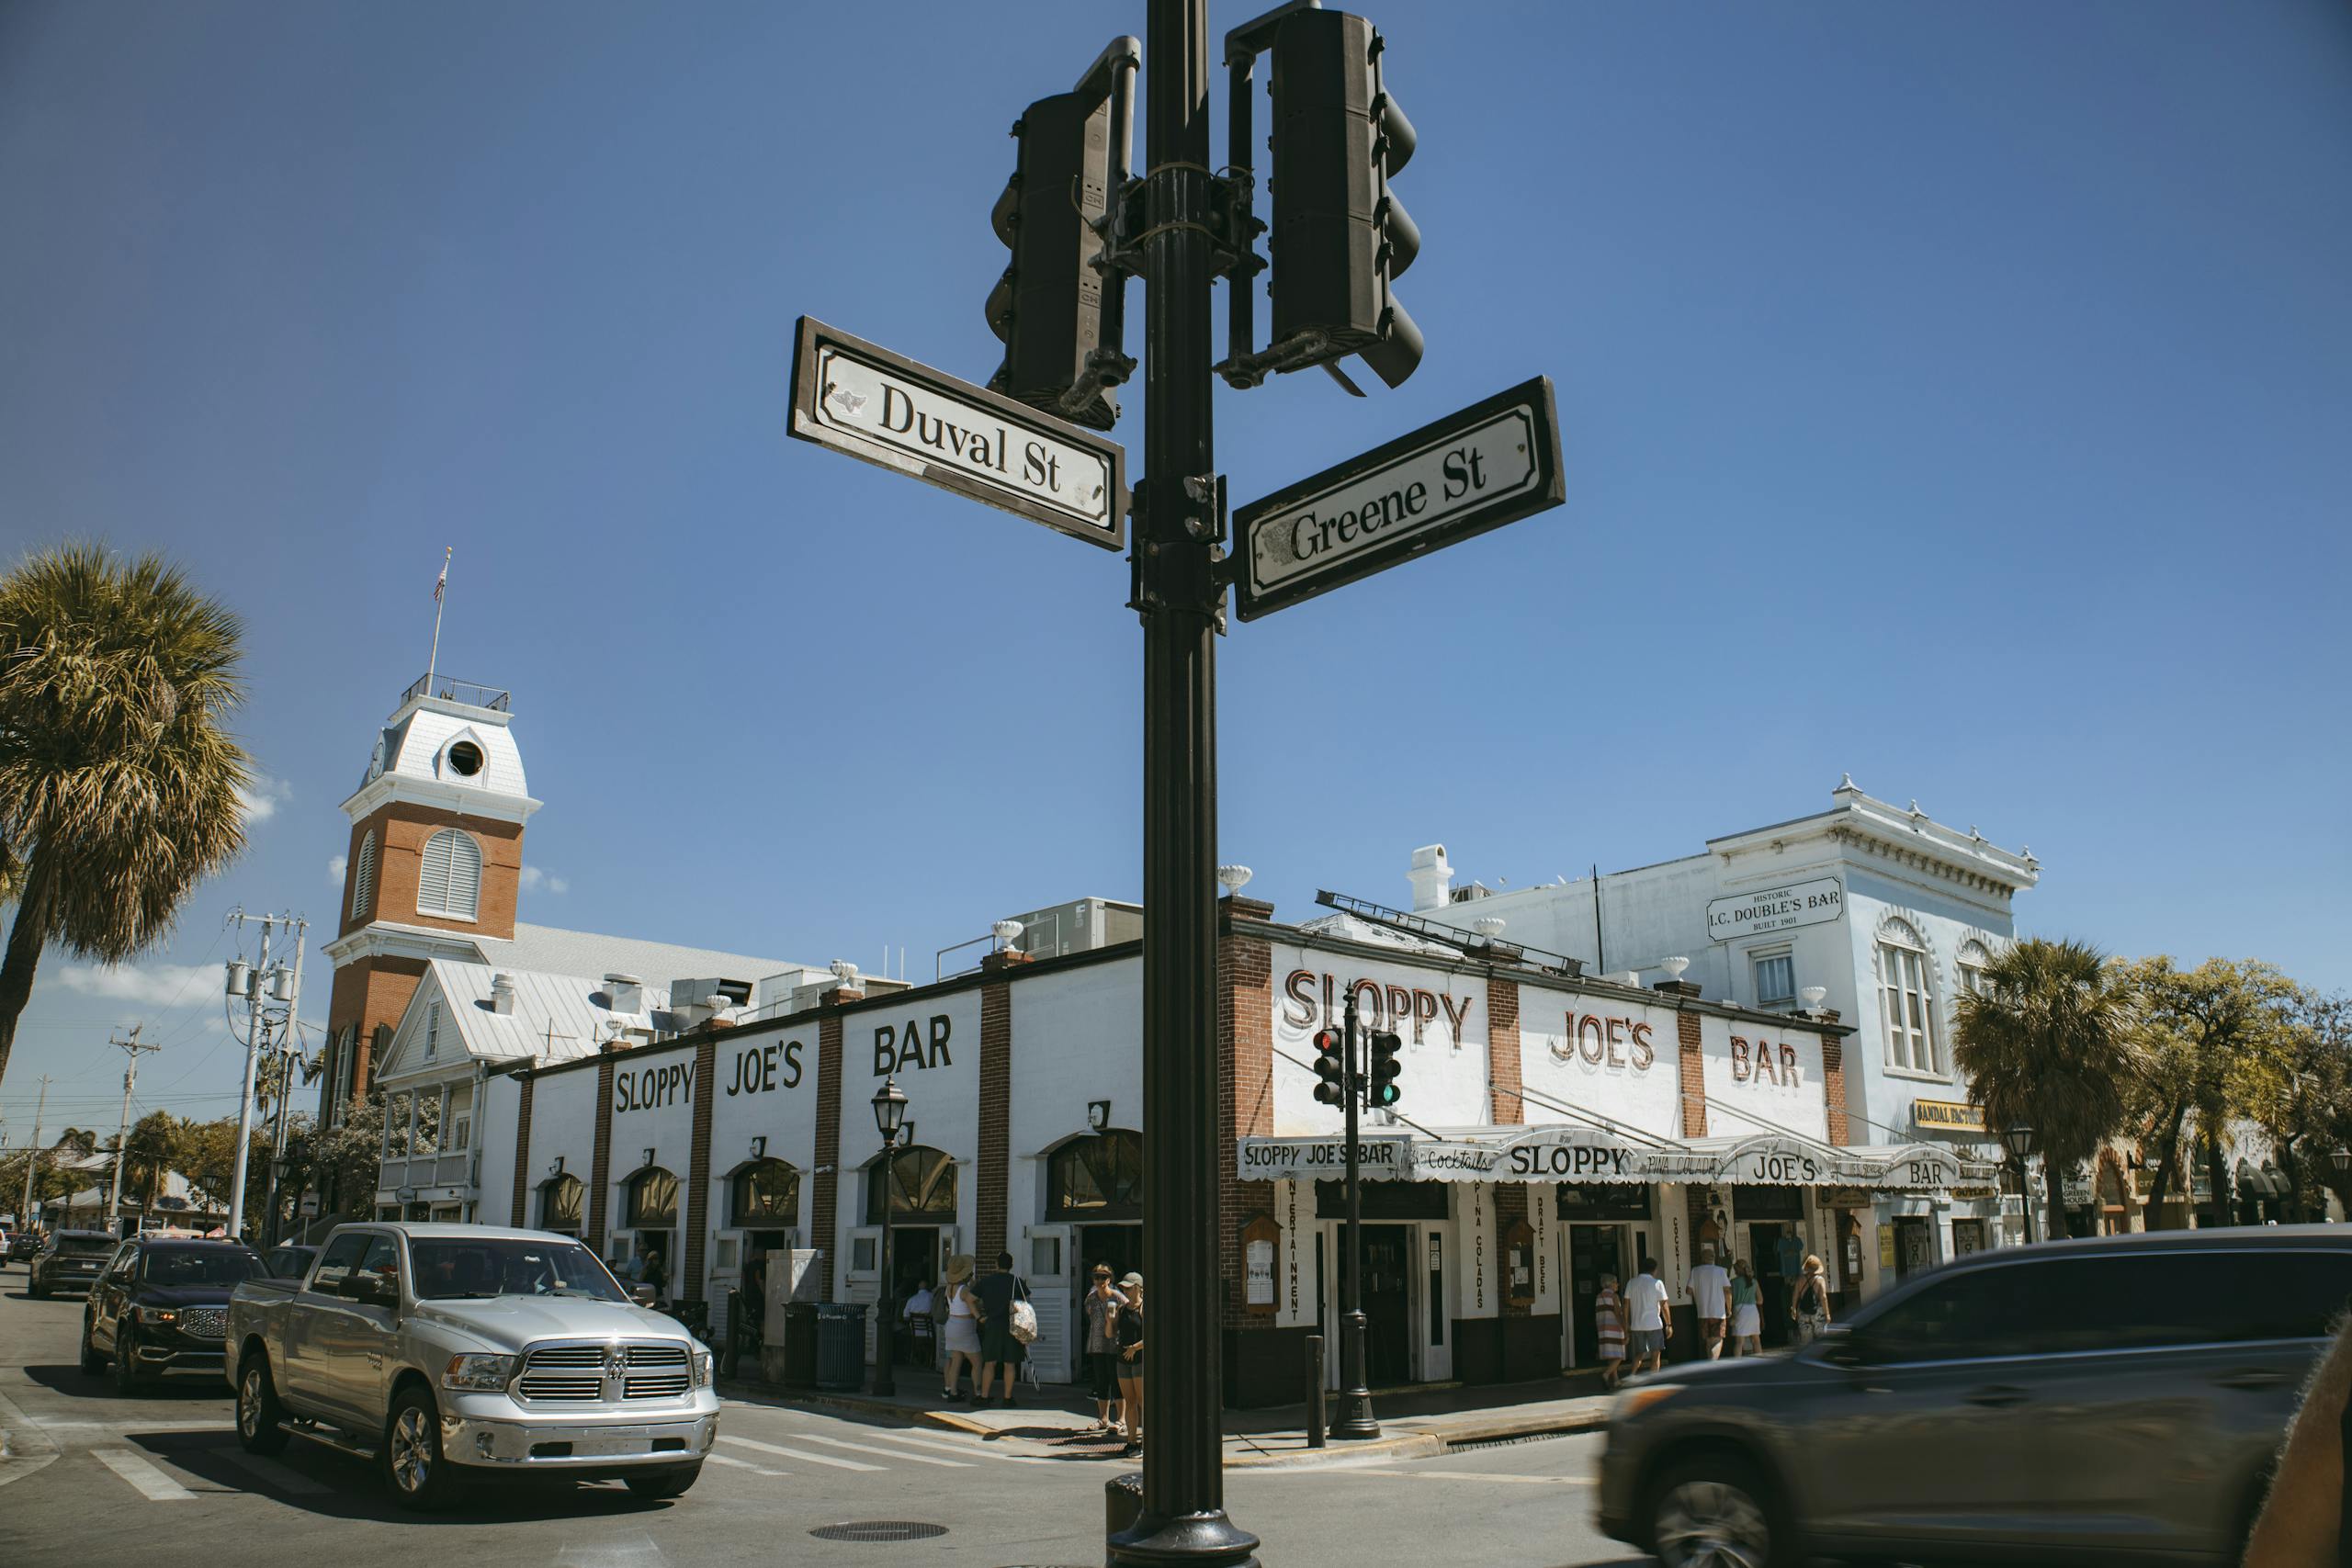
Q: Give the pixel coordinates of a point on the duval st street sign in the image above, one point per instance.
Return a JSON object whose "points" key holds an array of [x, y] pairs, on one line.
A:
{"points": [[854, 397], [1493, 463]]}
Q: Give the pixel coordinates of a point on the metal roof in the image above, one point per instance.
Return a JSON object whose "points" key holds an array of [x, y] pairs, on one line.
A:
{"points": [[657, 963]]}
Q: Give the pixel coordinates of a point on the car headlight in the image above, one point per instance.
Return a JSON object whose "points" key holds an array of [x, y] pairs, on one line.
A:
{"points": [[702, 1369], [1634, 1401], [157, 1314], [480, 1375]]}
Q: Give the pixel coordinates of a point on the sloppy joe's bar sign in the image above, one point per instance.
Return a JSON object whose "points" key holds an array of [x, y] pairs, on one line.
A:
{"points": [[1284, 1159], [1314, 999], [1776, 909]]}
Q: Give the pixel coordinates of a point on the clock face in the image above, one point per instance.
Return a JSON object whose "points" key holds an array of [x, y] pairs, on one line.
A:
{"points": [[376, 759]]}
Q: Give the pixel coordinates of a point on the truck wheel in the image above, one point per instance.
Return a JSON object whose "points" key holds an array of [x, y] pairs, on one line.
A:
{"points": [[258, 1414], [653, 1488], [420, 1478], [91, 1362], [126, 1360], [1713, 1512]]}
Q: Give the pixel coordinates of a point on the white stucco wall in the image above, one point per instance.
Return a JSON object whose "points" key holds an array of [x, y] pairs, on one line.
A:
{"points": [[1601, 1054], [1441, 1015]]}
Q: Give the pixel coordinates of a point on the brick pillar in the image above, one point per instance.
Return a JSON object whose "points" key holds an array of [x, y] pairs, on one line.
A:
{"points": [[991, 1179], [1504, 1104], [1832, 1085], [826, 1185], [696, 1198], [600, 1166], [527, 1082], [1245, 1033], [1694, 1077]]}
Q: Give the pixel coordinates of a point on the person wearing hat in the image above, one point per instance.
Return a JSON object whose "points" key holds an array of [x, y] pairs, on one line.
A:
{"points": [[962, 1327], [1127, 1332]]}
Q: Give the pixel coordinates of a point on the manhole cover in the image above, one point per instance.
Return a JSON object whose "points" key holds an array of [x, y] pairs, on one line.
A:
{"points": [[880, 1530]]}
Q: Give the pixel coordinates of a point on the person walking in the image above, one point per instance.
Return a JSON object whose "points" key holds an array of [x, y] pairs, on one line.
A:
{"points": [[1646, 1301], [1127, 1330], [1101, 1306], [1747, 1311], [655, 1275], [963, 1331], [1809, 1301], [1608, 1324], [1708, 1288], [995, 1296]]}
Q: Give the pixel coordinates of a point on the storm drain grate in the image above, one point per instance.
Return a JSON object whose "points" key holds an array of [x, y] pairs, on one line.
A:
{"points": [[1477, 1443], [880, 1530]]}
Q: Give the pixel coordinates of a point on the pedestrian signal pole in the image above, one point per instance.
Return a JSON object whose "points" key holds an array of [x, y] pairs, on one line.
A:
{"points": [[1355, 1399]]}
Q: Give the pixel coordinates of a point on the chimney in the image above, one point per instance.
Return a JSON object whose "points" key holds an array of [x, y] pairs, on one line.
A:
{"points": [[623, 993], [501, 992], [1432, 879]]}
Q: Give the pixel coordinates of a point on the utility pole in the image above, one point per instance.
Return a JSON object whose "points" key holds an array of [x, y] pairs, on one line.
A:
{"points": [[131, 1049], [290, 1051], [32, 1156], [1178, 594]]}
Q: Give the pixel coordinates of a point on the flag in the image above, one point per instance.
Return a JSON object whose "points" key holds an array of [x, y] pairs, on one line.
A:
{"points": [[441, 585]]}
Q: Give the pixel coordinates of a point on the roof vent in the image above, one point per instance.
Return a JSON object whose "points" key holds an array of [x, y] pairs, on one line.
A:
{"points": [[502, 993], [1432, 877], [623, 993]]}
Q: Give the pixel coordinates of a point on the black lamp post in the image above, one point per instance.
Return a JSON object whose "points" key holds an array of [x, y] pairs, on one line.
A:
{"points": [[2020, 1139], [890, 1115]]}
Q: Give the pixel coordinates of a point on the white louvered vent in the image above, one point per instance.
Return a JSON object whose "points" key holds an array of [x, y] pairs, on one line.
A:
{"points": [[450, 881], [363, 876]]}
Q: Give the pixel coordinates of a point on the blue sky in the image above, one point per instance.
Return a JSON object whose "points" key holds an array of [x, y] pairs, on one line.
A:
{"points": [[1956, 395]]}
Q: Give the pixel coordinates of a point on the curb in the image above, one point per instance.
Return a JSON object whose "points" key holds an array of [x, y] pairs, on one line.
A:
{"points": [[1424, 1443], [945, 1420]]}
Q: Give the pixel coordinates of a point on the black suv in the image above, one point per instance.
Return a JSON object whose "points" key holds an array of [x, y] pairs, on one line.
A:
{"points": [[70, 1261], [2117, 1399], [162, 1306]]}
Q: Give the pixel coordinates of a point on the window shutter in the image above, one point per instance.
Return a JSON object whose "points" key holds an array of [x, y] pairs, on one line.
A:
{"points": [[363, 876], [465, 877], [450, 880], [432, 876]]}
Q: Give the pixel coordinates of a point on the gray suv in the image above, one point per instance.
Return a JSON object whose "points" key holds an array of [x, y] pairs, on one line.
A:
{"points": [[2113, 1399]]}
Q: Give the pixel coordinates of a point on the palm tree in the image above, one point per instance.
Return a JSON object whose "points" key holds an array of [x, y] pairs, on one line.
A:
{"points": [[118, 788], [2049, 1042]]}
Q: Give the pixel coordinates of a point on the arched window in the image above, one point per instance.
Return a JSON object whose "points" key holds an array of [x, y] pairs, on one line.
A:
{"points": [[1904, 1000], [766, 1196], [920, 1187], [363, 876], [652, 1200], [449, 881], [1096, 1178], [559, 1205], [1973, 961]]}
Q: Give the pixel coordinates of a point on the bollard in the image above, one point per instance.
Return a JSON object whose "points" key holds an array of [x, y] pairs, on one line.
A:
{"points": [[1122, 1507], [1315, 1390]]}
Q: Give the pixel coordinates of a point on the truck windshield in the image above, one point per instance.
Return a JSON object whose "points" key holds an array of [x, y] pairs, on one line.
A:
{"points": [[209, 1264], [446, 1270]]}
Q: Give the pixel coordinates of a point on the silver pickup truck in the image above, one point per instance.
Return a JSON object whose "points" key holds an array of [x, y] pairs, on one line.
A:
{"points": [[454, 1352]]}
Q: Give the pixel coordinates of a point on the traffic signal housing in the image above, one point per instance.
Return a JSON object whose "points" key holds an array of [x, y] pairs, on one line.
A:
{"points": [[1061, 317], [1331, 1066], [1380, 1087], [1339, 239]]}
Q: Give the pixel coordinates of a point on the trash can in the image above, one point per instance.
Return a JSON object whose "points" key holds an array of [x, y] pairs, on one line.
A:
{"points": [[841, 1346], [800, 1356]]}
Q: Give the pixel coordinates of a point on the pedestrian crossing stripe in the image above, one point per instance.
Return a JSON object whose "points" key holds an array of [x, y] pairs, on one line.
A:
{"points": [[151, 1482], [885, 1453], [745, 1464], [972, 1451], [799, 1453]]}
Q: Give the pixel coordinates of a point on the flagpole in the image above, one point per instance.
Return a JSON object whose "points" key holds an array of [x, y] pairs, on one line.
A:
{"points": [[433, 660]]}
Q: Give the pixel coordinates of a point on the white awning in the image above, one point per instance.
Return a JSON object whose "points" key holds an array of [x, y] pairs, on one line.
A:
{"points": [[1578, 1154], [1385, 1156]]}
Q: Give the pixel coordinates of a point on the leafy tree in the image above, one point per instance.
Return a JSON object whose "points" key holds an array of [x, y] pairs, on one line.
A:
{"points": [[2216, 1041], [118, 788], [341, 1162], [2306, 1107], [151, 1153], [2048, 1042]]}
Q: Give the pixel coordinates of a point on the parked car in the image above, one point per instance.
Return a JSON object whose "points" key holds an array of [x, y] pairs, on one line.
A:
{"points": [[450, 1353], [22, 1244], [2120, 1398], [162, 1306], [69, 1260], [288, 1261]]}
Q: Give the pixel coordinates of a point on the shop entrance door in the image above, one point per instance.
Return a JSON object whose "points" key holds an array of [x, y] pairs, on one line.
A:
{"points": [[1119, 1247], [1967, 1236], [1775, 1276], [1594, 1250], [1387, 1305], [1913, 1246]]}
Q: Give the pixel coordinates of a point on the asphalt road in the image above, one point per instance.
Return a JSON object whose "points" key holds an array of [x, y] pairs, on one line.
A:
{"points": [[86, 1475]]}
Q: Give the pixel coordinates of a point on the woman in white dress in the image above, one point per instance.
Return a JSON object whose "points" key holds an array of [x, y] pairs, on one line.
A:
{"points": [[1747, 1310], [963, 1327]]}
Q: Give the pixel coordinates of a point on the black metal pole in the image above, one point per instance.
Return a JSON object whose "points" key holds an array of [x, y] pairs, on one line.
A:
{"points": [[885, 1337], [2025, 1196], [1355, 1400], [1184, 1517], [1315, 1414]]}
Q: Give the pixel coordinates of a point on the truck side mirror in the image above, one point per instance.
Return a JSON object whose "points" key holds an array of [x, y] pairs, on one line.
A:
{"points": [[643, 1294]]}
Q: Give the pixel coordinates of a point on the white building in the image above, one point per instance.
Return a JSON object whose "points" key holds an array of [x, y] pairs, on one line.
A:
{"points": [[1890, 913]]}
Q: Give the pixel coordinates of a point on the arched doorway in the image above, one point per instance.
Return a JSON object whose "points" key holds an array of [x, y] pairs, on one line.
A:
{"points": [[650, 1218], [919, 1194], [560, 1199]]}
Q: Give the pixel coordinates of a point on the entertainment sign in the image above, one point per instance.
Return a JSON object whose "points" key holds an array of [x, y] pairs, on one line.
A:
{"points": [[1775, 909]]}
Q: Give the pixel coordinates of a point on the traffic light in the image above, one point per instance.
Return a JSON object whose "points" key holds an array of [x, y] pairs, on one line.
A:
{"points": [[1380, 1087], [1060, 318], [1331, 1066], [1339, 239]]}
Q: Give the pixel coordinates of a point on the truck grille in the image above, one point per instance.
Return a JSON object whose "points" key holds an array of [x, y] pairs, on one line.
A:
{"points": [[205, 1323], [585, 1374]]}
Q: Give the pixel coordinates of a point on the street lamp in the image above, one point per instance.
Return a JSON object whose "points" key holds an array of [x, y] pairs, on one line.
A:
{"points": [[2341, 1159], [890, 1115], [2020, 1139]]}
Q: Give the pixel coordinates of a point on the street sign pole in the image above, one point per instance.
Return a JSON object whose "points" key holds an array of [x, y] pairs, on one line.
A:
{"points": [[1355, 1400], [1183, 1519]]}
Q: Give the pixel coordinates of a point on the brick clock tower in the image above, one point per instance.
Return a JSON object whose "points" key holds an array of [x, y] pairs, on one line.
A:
{"points": [[433, 869]]}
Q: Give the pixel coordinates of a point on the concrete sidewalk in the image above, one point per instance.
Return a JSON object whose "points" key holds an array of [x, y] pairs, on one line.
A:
{"points": [[1414, 1423]]}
